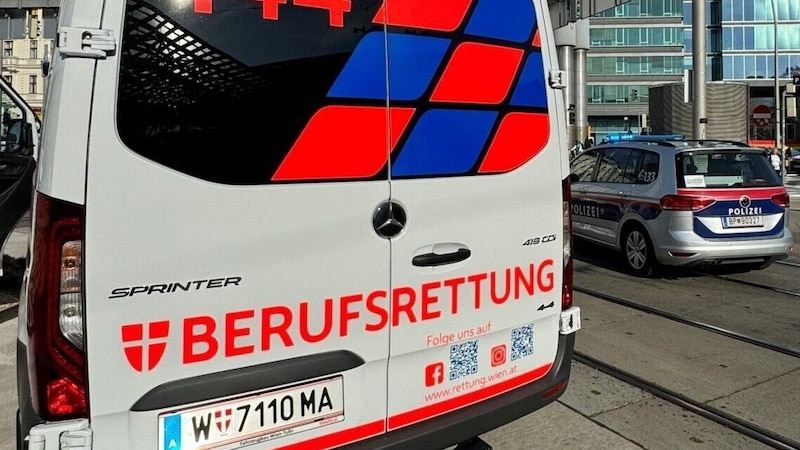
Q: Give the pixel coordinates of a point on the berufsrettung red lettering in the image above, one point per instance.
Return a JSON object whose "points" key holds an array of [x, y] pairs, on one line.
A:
{"points": [[247, 331]]}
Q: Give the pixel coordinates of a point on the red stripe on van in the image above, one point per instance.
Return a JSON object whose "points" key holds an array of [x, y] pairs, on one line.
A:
{"points": [[520, 137], [340, 437], [458, 84], [734, 193], [343, 142], [537, 39], [425, 14], [437, 409]]}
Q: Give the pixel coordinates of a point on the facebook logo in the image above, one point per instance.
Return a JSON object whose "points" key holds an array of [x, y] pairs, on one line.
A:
{"points": [[434, 374]]}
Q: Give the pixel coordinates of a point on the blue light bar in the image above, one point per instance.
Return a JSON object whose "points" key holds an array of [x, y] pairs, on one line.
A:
{"points": [[643, 137]]}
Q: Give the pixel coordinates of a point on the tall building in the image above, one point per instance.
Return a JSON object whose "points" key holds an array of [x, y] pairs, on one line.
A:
{"points": [[649, 42], [27, 37], [747, 52]]}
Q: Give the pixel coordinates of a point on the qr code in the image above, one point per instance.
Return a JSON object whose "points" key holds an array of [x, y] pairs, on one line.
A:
{"points": [[463, 359], [521, 342]]}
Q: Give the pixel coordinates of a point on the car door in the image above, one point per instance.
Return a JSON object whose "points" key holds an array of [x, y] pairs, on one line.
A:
{"points": [[642, 173], [584, 203], [475, 181], [19, 144], [610, 193], [237, 158]]}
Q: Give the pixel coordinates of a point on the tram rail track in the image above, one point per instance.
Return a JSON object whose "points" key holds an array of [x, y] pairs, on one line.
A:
{"points": [[787, 263], [750, 283], [753, 431], [691, 322], [748, 429]]}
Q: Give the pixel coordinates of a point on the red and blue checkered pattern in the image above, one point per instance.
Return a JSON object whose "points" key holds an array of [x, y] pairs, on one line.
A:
{"points": [[466, 92]]}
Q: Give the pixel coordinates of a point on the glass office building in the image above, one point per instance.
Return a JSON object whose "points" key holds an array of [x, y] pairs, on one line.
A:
{"points": [[647, 42]]}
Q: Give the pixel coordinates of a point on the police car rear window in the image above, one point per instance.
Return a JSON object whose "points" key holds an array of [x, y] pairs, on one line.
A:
{"points": [[724, 169]]}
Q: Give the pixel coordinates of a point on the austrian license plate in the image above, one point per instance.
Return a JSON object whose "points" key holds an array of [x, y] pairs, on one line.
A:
{"points": [[742, 221], [253, 419]]}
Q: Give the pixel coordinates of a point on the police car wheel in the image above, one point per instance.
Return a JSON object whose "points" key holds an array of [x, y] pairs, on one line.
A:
{"points": [[638, 252]]}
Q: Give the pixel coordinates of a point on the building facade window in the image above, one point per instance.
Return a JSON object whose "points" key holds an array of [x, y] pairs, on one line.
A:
{"points": [[8, 49], [634, 65], [646, 8], [759, 10], [620, 93], [34, 50], [759, 66], [760, 37], [8, 79], [32, 84], [636, 37]]}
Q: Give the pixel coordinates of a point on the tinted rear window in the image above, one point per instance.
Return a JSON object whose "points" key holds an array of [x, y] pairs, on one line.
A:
{"points": [[256, 92], [725, 168], [222, 96]]}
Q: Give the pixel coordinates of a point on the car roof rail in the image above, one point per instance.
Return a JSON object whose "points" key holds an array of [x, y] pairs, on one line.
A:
{"points": [[716, 142]]}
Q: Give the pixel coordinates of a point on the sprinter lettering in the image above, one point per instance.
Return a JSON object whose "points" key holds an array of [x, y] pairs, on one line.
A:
{"points": [[245, 332]]}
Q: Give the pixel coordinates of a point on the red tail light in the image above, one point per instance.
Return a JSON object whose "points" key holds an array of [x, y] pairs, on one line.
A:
{"points": [[686, 202], [781, 199], [566, 288], [56, 360]]}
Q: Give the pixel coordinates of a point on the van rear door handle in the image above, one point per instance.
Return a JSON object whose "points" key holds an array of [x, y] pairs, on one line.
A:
{"points": [[440, 255]]}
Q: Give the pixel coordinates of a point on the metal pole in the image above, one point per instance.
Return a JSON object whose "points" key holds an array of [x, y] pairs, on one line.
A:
{"points": [[565, 62], [579, 68], [565, 44], [777, 91], [699, 69]]}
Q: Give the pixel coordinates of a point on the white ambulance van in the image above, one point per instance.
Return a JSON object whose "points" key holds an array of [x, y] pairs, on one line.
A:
{"points": [[296, 224]]}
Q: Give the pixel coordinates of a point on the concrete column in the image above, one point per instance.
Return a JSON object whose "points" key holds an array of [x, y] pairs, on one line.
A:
{"points": [[565, 55], [699, 119], [565, 45], [579, 75]]}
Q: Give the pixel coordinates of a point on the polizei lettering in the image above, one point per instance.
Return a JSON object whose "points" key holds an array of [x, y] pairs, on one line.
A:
{"points": [[280, 325], [587, 210], [749, 211]]}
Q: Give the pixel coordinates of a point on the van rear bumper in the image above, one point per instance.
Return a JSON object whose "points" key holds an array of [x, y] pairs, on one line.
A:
{"points": [[440, 432], [466, 423]]}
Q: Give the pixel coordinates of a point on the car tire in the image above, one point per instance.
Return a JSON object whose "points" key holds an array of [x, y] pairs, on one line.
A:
{"points": [[637, 252]]}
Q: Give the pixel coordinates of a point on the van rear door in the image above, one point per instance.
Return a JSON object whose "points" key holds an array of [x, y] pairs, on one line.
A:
{"points": [[235, 285], [19, 144], [477, 264]]}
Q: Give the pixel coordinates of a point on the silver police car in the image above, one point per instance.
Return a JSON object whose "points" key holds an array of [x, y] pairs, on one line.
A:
{"points": [[669, 201]]}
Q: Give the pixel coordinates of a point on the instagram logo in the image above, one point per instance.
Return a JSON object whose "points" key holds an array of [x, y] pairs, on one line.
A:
{"points": [[498, 355], [434, 374]]}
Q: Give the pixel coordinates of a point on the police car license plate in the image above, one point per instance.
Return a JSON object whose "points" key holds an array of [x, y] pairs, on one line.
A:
{"points": [[742, 221], [255, 418]]}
